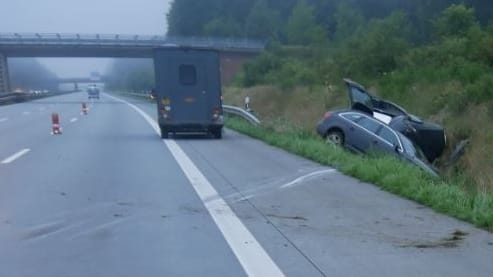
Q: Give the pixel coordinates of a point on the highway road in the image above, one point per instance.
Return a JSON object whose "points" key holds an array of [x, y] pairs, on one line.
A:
{"points": [[108, 197]]}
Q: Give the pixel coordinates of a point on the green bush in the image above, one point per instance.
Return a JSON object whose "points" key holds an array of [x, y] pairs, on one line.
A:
{"points": [[482, 90], [256, 70]]}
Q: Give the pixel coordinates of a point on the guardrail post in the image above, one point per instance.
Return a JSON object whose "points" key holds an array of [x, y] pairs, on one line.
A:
{"points": [[247, 103], [4, 75]]}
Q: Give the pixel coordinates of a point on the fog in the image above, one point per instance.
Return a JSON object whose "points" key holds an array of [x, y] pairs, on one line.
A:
{"points": [[143, 17]]}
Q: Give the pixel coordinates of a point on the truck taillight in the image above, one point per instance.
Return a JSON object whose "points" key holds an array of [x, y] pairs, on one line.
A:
{"points": [[164, 112], [216, 113]]}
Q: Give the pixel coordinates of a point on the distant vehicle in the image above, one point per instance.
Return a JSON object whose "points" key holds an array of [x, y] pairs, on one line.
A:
{"points": [[428, 136], [93, 92], [362, 133], [188, 91], [19, 91]]}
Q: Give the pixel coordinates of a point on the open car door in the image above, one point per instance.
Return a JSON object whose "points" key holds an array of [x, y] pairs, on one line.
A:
{"points": [[363, 101], [428, 136]]}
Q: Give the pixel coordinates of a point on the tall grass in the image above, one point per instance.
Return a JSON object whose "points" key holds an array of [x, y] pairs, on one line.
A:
{"points": [[446, 196]]}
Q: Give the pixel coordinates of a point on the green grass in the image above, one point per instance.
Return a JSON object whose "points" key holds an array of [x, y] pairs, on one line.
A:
{"points": [[445, 196]]}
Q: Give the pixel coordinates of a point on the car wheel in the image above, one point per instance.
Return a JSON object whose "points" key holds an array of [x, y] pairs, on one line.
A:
{"points": [[335, 137]]}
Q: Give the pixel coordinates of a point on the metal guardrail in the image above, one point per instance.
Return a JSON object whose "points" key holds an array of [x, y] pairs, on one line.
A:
{"points": [[11, 98], [237, 111], [241, 113], [105, 40]]}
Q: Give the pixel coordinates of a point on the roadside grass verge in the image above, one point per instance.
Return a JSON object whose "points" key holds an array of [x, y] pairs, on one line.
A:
{"points": [[446, 196]]}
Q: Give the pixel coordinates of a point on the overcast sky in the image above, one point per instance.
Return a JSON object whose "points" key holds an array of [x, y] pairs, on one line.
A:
{"points": [[144, 17]]}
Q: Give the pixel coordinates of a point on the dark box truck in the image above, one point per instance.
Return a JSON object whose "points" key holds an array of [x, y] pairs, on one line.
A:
{"points": [[188, 91]]}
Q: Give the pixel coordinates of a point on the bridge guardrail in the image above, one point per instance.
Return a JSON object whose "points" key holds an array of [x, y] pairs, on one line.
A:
{"points": [[128, 40]]}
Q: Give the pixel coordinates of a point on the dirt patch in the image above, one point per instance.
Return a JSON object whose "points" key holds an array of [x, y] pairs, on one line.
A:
{"points": [[451, 241], [287, 217]]}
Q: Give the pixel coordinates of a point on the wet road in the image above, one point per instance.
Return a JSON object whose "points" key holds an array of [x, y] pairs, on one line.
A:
{"points": [[109, 198]]}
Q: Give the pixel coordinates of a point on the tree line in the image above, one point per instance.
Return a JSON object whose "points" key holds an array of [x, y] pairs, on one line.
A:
{"points": [[29, 73], [279, 19]]}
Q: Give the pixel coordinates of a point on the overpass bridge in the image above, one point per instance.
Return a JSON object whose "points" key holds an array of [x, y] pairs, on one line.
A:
{"points": [[232, 52], [79, 80]]}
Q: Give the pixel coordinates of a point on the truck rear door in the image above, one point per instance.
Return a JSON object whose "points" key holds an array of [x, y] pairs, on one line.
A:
{"points": [[189, 89]]}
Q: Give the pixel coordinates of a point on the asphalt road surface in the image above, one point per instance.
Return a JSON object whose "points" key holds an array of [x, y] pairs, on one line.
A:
{"points": [[108, 197]]}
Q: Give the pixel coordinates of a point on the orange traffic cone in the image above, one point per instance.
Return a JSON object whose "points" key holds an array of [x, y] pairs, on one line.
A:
{"points": [[55, 121], [85, 109]]}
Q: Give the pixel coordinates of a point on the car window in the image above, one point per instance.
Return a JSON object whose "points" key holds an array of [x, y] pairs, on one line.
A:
{"points": [[352, 116], [388, 135], [369, 124], [412, 149], [360, 96]]}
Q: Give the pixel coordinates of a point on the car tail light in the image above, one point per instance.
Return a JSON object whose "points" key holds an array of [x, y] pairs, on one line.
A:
{"points": [[327, 115]]}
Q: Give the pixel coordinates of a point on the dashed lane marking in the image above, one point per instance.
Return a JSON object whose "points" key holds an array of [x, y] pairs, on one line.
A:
{"points": [[16, 156]]}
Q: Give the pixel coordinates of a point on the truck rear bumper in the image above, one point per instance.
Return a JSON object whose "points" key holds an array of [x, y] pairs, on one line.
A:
{"points": [[190, 127]]}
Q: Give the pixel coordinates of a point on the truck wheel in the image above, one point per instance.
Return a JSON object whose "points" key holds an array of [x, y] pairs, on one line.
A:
{"points": [[164, 133], [218, 134]]}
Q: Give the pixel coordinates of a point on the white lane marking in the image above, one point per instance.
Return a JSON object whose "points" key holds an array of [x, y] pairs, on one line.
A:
{"points": [[3, 119], [251, 255], [73, 119], [26, 113], [16, 156], [307, 176]]}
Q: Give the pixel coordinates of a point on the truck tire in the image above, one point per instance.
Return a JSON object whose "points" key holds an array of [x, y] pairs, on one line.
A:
{"points": [[164, 133], [218, 133]]}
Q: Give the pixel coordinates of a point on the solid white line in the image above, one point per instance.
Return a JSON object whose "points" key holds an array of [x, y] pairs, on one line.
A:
{"points": [[73, 119], [305, 177], [251, 255], [3, 119], [16, 156]]}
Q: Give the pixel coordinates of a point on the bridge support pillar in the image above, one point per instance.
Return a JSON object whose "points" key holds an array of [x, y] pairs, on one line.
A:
{"points": [[4, 75]]}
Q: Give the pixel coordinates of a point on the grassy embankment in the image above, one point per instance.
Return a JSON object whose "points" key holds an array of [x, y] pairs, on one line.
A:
{"points": [[289, 118]]}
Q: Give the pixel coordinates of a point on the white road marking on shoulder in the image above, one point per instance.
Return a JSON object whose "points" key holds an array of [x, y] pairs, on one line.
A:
{"points": [[26, 113], [251, 255], [16, 156], [73, 119], [307, 176], [3, 119]]}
